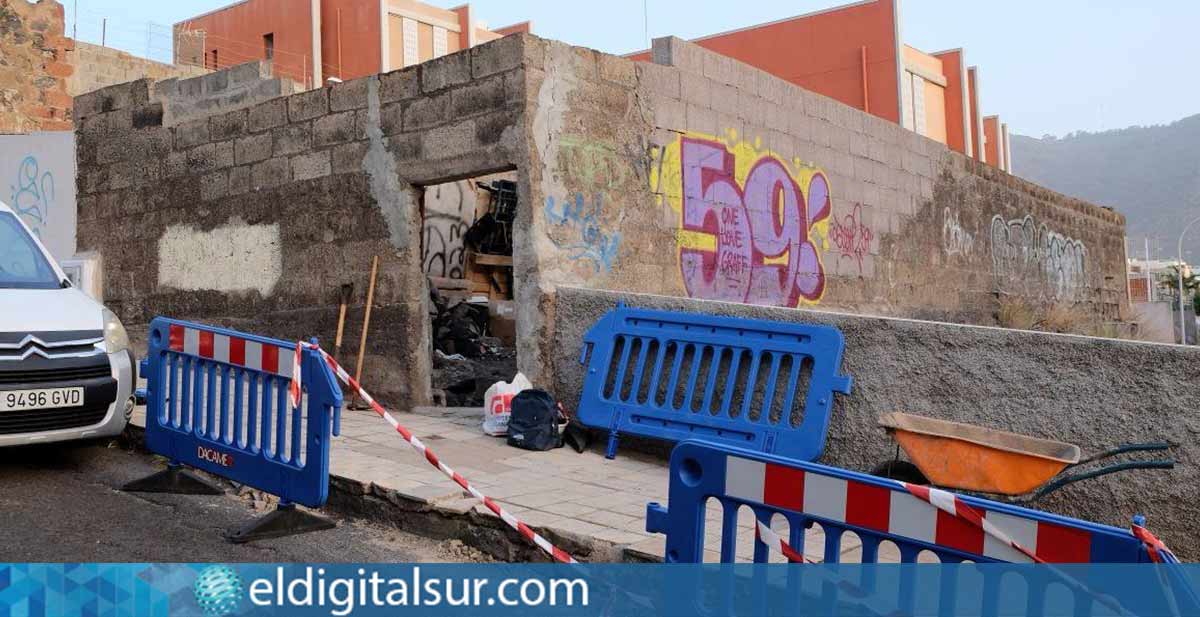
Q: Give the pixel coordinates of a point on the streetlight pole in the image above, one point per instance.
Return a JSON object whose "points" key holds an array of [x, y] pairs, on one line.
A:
{"points": [[1182, 314]]}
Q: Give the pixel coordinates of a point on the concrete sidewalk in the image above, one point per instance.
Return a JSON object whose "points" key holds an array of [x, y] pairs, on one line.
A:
{"points": [[583, 494]]}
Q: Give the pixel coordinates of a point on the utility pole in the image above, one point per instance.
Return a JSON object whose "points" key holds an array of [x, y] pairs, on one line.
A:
{"points": [[1182, 323], [1149, 278]]}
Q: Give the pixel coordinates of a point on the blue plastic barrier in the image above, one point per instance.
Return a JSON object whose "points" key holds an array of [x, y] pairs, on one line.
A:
{"points": [[217, 400], [877, 510], [751, 383]]}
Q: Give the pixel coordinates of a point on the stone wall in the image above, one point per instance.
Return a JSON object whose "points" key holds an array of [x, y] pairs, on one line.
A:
{"points": [[97, 66], [1096, 393], [698, 176], [254, 218], [198, 98], [34, 67]]}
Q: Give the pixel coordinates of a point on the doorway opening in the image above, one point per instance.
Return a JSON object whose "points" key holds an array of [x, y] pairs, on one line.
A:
{"points": [[467, 257]]}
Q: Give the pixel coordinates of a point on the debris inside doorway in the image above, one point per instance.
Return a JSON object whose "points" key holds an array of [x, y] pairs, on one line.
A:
{"points": [[469, 265]]}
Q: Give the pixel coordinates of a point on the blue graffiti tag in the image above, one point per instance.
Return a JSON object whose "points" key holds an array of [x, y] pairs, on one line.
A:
{"points": [[33, 194], [593, 245]]}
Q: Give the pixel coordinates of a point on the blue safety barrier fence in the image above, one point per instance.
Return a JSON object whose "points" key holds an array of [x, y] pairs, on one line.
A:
{"points": [[788, 499], [217, 400], [751, 383]]}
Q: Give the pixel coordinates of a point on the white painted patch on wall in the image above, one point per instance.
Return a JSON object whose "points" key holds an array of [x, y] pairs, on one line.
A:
{"points": [[236, 257]]}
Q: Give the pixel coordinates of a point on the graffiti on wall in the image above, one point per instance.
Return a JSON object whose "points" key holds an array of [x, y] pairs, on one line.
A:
{"points": [[32, 194], [580, 223], [581, 219], [1024, 250], [955, 238], [750, 221], [449, 212], [851, 236]]}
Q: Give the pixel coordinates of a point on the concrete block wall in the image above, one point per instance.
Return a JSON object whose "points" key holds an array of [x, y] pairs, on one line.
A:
{"points": [[34, 67], [196, 98], [699, 176], [1093, 392], [97, 67], [254, 218]]}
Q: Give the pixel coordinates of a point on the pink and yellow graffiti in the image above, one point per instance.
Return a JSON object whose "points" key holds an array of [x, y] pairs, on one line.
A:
{"points": [[748, 221]]}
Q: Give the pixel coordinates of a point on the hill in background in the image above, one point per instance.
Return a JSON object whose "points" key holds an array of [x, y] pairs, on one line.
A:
{"points": [[1150, 174]]}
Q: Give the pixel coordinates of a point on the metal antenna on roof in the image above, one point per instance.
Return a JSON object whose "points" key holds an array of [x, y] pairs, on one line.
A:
{"points": [[646, 21]]}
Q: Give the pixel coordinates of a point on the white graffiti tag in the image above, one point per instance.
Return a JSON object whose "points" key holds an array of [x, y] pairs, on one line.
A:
{"points": [[956, 239], [1025, 251]]}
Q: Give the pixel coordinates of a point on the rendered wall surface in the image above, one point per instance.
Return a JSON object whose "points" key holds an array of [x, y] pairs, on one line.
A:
{"points": [[37, 179], [956, 111], [824, 53], [350, 38], [1096, 393], [235, 34], [975, 114], [710, 179], [991, 138]]}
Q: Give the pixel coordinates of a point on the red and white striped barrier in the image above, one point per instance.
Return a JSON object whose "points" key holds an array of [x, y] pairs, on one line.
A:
{"points": [[556, 553], [962, 513], [950, 503], [232, 350], [926, 515]]}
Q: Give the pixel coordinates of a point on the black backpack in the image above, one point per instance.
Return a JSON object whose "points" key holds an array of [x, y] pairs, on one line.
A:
{"points": [[535, 421]]}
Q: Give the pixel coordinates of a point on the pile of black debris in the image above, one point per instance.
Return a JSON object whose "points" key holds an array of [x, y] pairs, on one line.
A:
{"points": [[466, 360]]}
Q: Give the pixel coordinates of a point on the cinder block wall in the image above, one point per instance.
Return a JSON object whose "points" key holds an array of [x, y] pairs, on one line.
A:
{"points": [[254, 218], [698, 176], [97, 67], [1096, 393], [195, 99]]}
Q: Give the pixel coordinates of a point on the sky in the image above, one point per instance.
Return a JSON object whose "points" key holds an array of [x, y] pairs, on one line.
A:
{"points": [[1046, 66]]}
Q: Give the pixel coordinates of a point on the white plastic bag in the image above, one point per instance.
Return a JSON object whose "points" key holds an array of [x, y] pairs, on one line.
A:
{"points": [[497, 403]]}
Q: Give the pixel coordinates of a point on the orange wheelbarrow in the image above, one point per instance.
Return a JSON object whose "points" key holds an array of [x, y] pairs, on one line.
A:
{"points": [[974, 458]]}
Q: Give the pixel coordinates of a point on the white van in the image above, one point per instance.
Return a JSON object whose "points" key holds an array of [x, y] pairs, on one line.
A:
{"points": [[66, 369]]}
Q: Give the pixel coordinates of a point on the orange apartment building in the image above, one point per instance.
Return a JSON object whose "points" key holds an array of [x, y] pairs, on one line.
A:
{"points": [[311, 41], [855, 54]]}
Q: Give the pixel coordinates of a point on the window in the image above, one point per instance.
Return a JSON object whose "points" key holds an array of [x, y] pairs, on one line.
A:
{"points": [[215, 64], [269, 46], [22, 264]]}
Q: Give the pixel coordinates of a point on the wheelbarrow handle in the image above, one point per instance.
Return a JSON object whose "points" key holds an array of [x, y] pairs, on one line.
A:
{"points": [[1156, 446], [1095, 473]]}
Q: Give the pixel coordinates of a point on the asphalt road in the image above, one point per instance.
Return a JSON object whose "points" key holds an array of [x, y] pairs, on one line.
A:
{"points": [[59, 502]]}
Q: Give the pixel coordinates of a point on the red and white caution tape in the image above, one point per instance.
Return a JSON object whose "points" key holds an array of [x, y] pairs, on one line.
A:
{"points": [[776, 543], [294, 388], [556, 553], [950, 503]]}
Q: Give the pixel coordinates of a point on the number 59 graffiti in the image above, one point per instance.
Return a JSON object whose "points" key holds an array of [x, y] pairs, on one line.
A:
{"points": [[763, 251]]}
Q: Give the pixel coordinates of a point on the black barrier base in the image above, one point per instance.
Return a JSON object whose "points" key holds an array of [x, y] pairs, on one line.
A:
{"points": [[173, 479], [286, 520]]}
